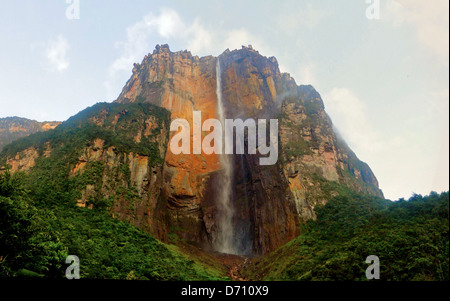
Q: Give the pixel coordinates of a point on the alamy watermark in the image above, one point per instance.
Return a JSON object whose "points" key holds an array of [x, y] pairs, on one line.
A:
{"points": [[373, 270], [73, 9], [73, 271], [180, 143], [373, 10]]}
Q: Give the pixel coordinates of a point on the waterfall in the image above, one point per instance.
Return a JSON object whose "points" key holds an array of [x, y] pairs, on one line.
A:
{"points": [[225, 236]]}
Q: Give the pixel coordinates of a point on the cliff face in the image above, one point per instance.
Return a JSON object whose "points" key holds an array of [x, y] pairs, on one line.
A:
{"points": [[270, 201], [115, 156], [107, 157], [13, 128], [313, 155], [180, 83]]}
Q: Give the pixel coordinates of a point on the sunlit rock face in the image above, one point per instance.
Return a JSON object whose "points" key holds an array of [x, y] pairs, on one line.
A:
{"points": [[269, 201], [221, 203], [13, 128]]}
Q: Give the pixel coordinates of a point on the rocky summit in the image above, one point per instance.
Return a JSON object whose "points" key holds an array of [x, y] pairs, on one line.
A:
{"points": [[13, 128], [125, 144], [270, 201]]}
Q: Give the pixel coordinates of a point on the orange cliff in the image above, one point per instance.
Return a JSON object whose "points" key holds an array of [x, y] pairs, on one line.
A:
{"points": [[182, 84], [178, 193], [270, 201]]}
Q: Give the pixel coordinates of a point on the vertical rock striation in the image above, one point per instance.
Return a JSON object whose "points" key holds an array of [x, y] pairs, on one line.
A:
{"points": [[269, 201], [120, 158]]}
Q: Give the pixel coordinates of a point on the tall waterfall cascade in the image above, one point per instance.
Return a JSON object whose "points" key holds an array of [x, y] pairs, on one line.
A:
{"points": [[224, 242]]}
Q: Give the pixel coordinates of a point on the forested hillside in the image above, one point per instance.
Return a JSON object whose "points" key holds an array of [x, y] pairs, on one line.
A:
{"points": [[410, 237], [35, 240]]}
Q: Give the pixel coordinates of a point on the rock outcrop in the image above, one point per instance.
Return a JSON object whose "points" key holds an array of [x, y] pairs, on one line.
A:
{"points": [[117, 154], [13, 128], [107, 157], [270, 201]]}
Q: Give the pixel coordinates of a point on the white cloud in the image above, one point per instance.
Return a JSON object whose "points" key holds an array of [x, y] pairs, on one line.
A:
{"points": [[430, 19], [311, 17], [401, 158], [56, 53], [306, 74], [439, 110], [350, 117], [200, 39], [235, 39], [169, 27], [424, 159], [308, 17]]}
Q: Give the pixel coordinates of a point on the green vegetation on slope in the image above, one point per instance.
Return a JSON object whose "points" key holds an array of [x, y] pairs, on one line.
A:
{"points": [[50, 181], [35, 240], [81, 129], [409, 237], [40, 224], [13, 128]]}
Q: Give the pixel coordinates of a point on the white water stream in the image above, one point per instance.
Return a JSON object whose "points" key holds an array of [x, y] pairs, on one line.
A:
{"points": [[224, 242]]}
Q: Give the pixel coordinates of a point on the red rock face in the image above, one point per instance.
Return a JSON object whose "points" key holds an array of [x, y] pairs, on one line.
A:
{"points": [[180, 195], [269, 201], [13, 128], [180, 83], [24, 160]]}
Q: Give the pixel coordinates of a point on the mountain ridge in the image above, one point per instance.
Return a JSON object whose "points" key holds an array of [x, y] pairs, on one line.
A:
{"points": [[104, 184], [14, 127], [175, 196], [253, 87]]}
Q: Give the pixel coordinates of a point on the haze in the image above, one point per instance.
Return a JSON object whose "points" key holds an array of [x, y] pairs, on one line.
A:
{"points": [[384, 81]]}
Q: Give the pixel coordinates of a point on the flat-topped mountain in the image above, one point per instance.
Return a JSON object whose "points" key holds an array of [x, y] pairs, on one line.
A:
{"points": [[122, 148], [105, 183]]}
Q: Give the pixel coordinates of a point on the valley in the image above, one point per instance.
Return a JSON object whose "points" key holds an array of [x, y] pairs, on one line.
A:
{"points": [[105, 186]]}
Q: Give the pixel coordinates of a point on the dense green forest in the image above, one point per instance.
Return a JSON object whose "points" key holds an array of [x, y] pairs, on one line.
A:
{"points": [[80, 129], [40, 223], [409, 237], [36, 239]]}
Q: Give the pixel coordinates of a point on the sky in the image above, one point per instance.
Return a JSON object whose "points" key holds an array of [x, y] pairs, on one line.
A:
{"points": [[381, 66]]}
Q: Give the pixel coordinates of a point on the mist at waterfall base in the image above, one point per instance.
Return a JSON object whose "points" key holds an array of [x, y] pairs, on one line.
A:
{"points": [[233, 235]]}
